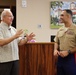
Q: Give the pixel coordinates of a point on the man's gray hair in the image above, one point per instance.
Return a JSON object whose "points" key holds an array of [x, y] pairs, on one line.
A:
{"points": [[4, 13]]}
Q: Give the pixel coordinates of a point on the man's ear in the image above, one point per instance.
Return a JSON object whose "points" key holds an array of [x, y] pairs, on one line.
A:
{"points": [[68, 15]]}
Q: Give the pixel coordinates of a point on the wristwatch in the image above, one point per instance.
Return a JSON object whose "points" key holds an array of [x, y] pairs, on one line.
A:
{"points": [[69, 52]]}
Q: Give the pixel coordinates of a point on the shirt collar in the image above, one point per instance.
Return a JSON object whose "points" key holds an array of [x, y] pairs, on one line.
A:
{"points": [[6, 25]]}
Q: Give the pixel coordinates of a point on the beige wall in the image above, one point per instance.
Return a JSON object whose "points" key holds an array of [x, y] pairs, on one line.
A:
{"points": [[37, 12]]}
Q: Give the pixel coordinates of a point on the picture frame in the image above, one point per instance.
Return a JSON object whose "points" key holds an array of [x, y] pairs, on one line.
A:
{"points": [[55, 10]]}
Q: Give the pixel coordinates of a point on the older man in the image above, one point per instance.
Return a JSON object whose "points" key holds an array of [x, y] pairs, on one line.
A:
{"points": [[10, 38]]}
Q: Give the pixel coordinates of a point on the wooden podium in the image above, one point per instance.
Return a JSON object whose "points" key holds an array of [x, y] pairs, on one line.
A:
{"points": [[37, 59]]}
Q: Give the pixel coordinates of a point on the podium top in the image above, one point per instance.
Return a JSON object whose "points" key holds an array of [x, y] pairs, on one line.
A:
{"points": [[41, 43]]}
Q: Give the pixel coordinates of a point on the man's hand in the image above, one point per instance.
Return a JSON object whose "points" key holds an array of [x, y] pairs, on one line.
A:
{"points": [[56, 52], [63, 53], [30, 36], [18, 33]]}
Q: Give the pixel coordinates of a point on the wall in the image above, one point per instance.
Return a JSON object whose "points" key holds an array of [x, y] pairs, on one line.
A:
{"points": [[36, 13]]}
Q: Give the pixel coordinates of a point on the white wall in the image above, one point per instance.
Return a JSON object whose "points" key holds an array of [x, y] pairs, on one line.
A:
{"points": [[36, 13]]}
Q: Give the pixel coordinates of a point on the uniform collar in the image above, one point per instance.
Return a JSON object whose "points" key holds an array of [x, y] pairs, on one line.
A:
{"points": [[72, 26]]}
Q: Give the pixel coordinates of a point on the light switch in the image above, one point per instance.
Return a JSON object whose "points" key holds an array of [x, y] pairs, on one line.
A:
{"points": [[24, 3], [39, 26]]}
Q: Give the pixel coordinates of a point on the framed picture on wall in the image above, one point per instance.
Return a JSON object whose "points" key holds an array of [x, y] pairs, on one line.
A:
{"points": [[55, 10]]}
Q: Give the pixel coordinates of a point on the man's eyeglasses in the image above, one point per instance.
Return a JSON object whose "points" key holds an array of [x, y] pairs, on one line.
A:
{"points": [[9, 16]]}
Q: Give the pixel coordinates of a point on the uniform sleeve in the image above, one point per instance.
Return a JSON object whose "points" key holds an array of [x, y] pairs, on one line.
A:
{"points": [[75, 32], [56, 39]]}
